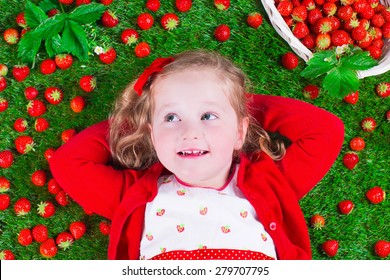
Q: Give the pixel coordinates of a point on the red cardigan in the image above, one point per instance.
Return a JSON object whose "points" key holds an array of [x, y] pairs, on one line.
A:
{"points": [[82, 169]]}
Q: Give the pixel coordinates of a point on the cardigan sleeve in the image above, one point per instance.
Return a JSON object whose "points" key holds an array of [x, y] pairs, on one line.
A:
{"points": [[316, 138], [81, 167]]}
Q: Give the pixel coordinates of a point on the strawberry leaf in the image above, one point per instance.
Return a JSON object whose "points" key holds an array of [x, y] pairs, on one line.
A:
{"points": [[319, 64], [34, 15], [74, 40], [359, 61], [28, 47], [53, 45], [87, 13], [341, 81], [47, 5], [50, 27]]}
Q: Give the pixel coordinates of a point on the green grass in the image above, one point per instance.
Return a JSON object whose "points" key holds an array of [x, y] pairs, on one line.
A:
{"points": [[258, 52]]}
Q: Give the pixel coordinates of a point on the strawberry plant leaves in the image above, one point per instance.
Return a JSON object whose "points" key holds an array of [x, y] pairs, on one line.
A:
{"points": [[47, 5], [50, 27], [53, 45], [28, 47], [74, 40], [341, 81], [34, 15], [359, 61], [87, 13], [319, 64]]}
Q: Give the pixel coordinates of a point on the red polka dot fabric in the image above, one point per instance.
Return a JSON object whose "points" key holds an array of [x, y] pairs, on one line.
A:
{"points": [[212, 254]]}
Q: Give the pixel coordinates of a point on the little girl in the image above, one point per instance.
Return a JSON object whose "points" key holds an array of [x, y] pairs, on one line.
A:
{"points": [[185, 169]]}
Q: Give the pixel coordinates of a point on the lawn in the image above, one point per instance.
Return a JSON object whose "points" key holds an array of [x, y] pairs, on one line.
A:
{"points": [[257, 51]]}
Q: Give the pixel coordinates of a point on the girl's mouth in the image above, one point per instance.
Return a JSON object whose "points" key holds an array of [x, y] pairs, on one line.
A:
{"points": [[192, 153]]}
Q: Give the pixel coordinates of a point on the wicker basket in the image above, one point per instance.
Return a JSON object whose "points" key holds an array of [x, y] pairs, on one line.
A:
{"points": [[284, 31]]}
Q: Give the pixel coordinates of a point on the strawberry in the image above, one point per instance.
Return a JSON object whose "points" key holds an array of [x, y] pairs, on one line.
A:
{"points": [[54, 95], [48, 66], [309, 41], [376, 195], [368, 124], [222, 33], [153, 5], [382, 248], [183, 5], [3, 70], [330, 247], [3, 104], [352, 98], [109, 19], [53, 12], [11, 36], [142, 49], [82, 2], [169, 21], [299, 13], [20, 125], [145, 21], [46, 209], [40, 233], [36, 108], [64, 240], [67, 134], [340, 37], [106, 2], [25, 237], [129, 36], [329, 8], [53, 187], [317, 221], [49, 153], [30, 93], [4, 201], [63, 61], [77, 229], [20, 20], [300, 30], [7, 255], [24, 144], [87, 83], [388, 116], [48, 249], [386, 30], [108, 56], [38, 178], [375, 52], [20, 72], [62, 198], [66, 2], [290, 60], [77, 104], [41, 124], [345, 207], [22, 206], [350, 159], [383, 89], [357, 144], [3, 83], [6, 159], [222, 4], [4, 184], [323, 25], [345, 12], [285, 8], [254, 19], [311, 91], [104, 227]]}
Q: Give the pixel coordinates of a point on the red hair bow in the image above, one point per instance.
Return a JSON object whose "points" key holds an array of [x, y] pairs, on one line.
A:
{"points": [[156, 66]]}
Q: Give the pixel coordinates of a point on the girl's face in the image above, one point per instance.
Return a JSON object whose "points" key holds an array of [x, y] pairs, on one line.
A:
{"points": [[194, 127]]}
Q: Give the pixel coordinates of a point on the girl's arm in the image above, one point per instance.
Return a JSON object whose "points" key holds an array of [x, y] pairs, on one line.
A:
{"points": [[81, 167], [316, 135]]}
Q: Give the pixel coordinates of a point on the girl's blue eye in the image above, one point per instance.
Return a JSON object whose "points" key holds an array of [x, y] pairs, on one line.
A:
{"points": [[171, 118], [208, 116]]}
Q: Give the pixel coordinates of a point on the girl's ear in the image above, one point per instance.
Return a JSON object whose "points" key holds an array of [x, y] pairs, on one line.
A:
{"points": [[242, 130]]}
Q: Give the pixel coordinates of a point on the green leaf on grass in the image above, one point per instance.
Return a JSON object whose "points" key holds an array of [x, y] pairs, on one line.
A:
{"points": [[341, 81], [34, 15], [50, 27], [53, 45], [28, 47], [319, 64], [74, 40], [359, 61], [87, 13]]}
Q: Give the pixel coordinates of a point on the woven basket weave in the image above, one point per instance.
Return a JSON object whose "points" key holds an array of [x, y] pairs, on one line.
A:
{"points": [[285, 32]]}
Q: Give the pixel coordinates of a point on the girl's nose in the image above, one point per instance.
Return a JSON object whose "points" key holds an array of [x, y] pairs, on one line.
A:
{"points": [[192, 131]]}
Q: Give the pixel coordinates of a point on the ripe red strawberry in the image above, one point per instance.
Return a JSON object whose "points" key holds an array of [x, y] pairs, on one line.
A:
{"points": [[3, 104], [11, 36], [3, 83], [386, 30], [323, 25], [53, 187], [330, 247], [104, 227], [222, 33], [6, 255], [375, 52], [63, 61], [6, 159], [48, 66], [142, 49], [82, 2], [41, 124], [383, 89], [67, 134], [108, 56], [346, 207], [20, 72], [388, 116], [352, 98], [54, 95], [22, 206], [169, 21], [87, 83], [48, 249], [24, 144], [290, 60], [109, 19], [311, 91], [340, 37], [40, 233], [3, 70], [77, 104], [309, 41], [376, 195], [4, 201], [20, 20], [285, 8], [53, 12], [153, 5], [129, 36], [38, 178], [62, 198], [49, 153], [300, 30], [145, 21], [46, 209], [254, 19], [357, 144], [31, 93], [36, 108], [64, 240], [77, 229], [183, 5], [382, 248], [25, 237], [299, 13], [4, 184], [222, 4], [66, 2], [350, 159], [317, 221], [20, 125], [345, 12], [368, 124]]}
